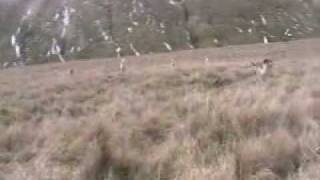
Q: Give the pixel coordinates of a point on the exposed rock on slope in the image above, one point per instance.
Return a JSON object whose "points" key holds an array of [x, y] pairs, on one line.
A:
{"points": [[37, 31]]}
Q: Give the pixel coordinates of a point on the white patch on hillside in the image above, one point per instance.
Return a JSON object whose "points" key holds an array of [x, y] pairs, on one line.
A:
{"points": [[265, 40], [168, 46], [13, 40], [135, 51], [263, 20], [18, 51]]}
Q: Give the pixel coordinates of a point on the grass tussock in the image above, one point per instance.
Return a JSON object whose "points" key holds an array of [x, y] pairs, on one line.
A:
{"points": [[184, 124]]}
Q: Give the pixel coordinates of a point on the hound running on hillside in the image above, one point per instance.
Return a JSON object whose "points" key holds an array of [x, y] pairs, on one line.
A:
{"points": [[263, 68]]}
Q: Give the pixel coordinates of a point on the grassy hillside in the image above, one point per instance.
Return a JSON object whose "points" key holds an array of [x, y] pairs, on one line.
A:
{"points": [[200, 120]]}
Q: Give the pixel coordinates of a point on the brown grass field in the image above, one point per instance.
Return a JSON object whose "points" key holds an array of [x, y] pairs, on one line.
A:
{"points": [[195, 121]]}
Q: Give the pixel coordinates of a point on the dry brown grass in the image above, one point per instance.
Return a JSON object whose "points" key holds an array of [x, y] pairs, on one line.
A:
{"points": [[155, 122]]}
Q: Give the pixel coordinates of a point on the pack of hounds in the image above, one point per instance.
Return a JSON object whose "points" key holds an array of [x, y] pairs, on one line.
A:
{"points": [[261, 69]]}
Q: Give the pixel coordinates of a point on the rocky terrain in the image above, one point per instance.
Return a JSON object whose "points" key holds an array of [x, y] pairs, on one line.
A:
{"points": [[40, 31]]}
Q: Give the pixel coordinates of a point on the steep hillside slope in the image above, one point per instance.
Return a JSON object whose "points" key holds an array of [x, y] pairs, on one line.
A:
{"points": [[36, 31]]}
